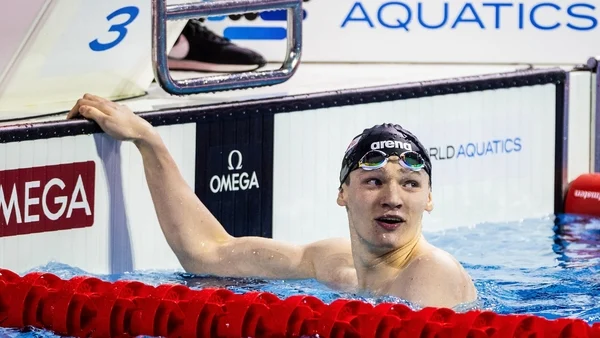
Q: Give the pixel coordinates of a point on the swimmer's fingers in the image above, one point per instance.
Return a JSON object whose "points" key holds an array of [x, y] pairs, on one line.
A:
{"points": [[92, 113], [96, 98], [99, 103], [75, 111], [101, 106], [116, 120]]}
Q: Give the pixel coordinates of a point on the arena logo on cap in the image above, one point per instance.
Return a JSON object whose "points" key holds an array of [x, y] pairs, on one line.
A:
{"points": [[391, 145]]}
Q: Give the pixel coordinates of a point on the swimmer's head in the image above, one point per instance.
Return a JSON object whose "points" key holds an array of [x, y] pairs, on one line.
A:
{"points": [[371, 149]]}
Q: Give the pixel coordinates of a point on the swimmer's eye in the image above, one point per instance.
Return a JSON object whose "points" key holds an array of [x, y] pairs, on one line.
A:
{"points": [[412, 184], [372, 181]]}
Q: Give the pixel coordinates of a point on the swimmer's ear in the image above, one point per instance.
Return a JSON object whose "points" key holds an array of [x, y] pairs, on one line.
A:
{"points": [[429, 206], [341, 198]]}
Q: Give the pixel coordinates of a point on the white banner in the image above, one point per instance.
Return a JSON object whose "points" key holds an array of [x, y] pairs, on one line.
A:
{"points": [[476, 31], [83, 201]]}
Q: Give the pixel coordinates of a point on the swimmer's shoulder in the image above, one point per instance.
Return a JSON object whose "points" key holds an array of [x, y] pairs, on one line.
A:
{"points": [[436, 278], [333, 262], [331, 252]]}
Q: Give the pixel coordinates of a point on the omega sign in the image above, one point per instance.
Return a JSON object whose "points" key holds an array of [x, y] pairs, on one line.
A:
{"points": [[235, 179]]}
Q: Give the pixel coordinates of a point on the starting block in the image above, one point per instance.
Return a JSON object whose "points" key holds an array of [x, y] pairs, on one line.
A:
{"points": [[61, 49], [57, 50]]}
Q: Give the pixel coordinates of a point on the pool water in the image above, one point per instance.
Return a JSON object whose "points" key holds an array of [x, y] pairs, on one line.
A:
{"points": [[547, 267]]}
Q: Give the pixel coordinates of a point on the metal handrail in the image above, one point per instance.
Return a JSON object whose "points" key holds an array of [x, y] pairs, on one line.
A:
{"points": [[161, 13]]}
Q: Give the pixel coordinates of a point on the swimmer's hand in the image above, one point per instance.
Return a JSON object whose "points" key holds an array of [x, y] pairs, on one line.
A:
{"points": [[116, 120]]}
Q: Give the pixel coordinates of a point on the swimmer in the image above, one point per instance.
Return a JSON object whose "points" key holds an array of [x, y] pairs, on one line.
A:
{"points": [[385, 187]]}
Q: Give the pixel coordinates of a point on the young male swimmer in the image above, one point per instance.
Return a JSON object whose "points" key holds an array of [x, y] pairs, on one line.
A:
{"points": [[385, 188]]}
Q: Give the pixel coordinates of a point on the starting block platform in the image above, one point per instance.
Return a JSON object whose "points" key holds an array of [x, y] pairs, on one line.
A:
{"points": [[310, 78]]}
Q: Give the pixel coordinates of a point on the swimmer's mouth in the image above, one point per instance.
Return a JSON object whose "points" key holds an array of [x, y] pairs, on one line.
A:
{"points": [[391, 220]]}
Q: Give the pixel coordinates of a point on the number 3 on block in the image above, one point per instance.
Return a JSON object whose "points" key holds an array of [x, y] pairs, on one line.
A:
{"points": [[121, 28]]}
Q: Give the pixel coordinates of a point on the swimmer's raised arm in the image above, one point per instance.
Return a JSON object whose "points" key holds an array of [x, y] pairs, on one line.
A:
{"points": [[198, 239]]}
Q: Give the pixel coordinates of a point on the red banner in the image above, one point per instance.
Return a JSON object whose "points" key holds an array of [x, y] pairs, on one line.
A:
{"points": [[48, 198]]}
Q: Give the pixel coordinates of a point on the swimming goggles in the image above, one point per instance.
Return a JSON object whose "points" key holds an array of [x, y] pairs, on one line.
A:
{"points": [[375, 159]]}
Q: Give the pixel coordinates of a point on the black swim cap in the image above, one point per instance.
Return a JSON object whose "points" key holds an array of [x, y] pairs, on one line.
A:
{"points": [[389, 138]]}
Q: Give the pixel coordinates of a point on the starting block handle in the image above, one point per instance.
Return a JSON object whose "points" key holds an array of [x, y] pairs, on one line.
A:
{"points": [[161, 13]]}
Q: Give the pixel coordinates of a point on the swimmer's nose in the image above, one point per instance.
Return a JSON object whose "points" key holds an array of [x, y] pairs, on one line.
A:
{"points": [[391, 196]]}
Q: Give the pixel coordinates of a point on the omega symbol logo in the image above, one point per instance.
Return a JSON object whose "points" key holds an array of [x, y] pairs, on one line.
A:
{"points": [[239, 160], [234, 181]]}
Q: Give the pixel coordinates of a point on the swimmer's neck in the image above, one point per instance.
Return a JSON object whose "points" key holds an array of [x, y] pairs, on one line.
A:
{"points": [[376, 271]]}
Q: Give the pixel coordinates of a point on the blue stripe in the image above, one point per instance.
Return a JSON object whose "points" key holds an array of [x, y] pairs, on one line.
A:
{"points": [[255, 33], [278, 15], [216, 18]]}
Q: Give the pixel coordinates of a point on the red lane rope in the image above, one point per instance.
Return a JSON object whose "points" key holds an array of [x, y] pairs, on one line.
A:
{"points": [[87, 306]]}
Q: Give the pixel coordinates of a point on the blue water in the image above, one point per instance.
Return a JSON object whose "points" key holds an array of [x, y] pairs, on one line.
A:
{"points": [[547, 267]]}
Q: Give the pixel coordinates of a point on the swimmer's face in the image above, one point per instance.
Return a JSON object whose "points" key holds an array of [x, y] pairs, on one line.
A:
{"points": [[385, 206]]}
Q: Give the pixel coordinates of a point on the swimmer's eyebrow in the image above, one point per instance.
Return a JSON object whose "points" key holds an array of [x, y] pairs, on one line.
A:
{"points": [[380, 171]]}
